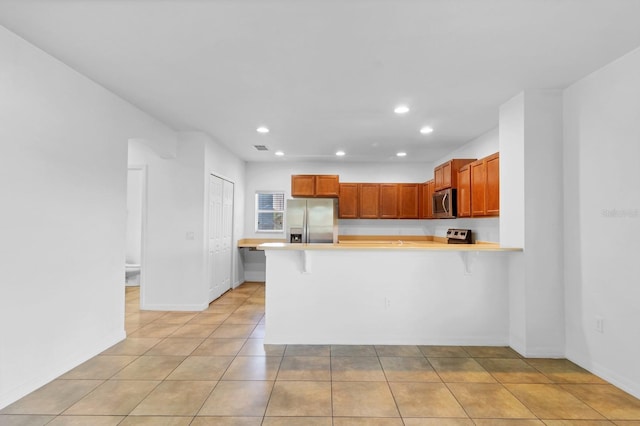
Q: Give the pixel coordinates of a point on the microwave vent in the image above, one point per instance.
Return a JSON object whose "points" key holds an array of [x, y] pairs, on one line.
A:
{"points": [[261, 147]]}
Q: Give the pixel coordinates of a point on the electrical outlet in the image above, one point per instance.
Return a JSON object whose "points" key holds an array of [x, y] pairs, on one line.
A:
{"points": [[387, 303], [599, 324]]}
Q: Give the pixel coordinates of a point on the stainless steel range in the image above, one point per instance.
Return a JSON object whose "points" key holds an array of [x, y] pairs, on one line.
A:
{"points": [[459, 236]]}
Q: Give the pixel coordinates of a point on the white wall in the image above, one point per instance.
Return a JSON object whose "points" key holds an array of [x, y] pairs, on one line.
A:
{"points": [[63, 170], [602, 221], [531, 217], [486, 144], [511, 134], [175, 263], [388, 297], [543, 248]]}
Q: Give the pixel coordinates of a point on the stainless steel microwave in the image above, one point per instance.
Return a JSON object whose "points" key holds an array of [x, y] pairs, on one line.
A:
{"points": [[445, 204]]}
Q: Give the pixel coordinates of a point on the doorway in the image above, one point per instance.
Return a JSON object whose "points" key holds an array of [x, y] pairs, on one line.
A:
{"points": [[220, 236], [136, 214]]}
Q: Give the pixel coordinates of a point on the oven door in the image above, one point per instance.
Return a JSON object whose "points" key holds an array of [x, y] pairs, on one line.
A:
{"points": [[444, 204]]}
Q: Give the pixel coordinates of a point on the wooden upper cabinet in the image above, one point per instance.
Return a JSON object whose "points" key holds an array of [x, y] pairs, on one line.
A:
{"points": [[348, 201], [303, 185], [425, 199], [485, 186], [447, 180], [408, 203], [315, 186], [446, 174], [327, 186], [438, 178], [478, 188], [388, 201], [493, 184], [369, 201], [464, 191]]}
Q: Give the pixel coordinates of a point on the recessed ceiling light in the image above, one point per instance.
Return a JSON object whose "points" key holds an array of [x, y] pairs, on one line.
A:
{"points": [[279, 153], [401, 154], [340, 153], [426, 130], [262, 129], [401, 109]]}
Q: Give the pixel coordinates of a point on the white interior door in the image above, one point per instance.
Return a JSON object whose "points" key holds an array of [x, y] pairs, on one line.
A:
{"points": [[227, 233], [220, 236]]}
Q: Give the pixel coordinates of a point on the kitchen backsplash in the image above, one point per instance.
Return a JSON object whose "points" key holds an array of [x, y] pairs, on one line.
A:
{"points": [[484, 229]]}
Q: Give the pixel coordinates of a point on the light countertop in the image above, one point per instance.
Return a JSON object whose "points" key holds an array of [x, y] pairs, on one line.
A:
{"points": [[389, 245], [255, 242]]}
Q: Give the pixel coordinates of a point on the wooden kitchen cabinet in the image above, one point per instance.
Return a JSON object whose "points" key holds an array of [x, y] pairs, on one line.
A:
{"points": [[408, 202], [315, 186], [369, 200], [493, 185], [379, 201], [438, 177], [426, 200], [348, 201], [303, 185], [327, 186], [464, 191], [446, 174], [389, 200], [485, 186]]}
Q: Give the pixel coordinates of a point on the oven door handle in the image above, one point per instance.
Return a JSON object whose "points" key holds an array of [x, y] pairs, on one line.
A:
{"points": [[444, 207]]}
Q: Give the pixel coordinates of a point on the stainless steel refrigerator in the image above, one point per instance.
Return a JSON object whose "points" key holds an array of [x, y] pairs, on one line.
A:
{"points": [[312, 220]]}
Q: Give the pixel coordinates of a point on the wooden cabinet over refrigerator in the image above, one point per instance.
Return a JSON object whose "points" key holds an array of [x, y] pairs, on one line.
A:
{"points": [[315, 186]]}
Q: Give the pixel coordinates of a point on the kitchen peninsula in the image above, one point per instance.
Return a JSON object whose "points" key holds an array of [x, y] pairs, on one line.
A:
{"points": [[387, 292]]}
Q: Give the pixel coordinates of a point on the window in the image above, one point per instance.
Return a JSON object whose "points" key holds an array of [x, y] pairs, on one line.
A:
{"points": [[269, 211]]}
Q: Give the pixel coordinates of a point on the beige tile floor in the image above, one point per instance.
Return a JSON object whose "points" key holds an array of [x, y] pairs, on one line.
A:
{"points": [[212, 368]]}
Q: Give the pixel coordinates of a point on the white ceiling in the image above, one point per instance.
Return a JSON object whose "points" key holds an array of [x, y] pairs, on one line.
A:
{"points": [[325, 75]]}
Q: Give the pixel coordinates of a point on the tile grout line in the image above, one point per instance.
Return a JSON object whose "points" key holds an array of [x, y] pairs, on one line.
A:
{"points": [[331, 383], [384, 373], [275, 380], [176, 367]]}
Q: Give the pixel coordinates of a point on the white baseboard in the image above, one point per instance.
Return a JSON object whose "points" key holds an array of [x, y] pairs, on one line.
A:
{"points": [[272, 338], [168, 307], [612, 377], [54, 371], [254, 276], [541, 353], [519, 346]]}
